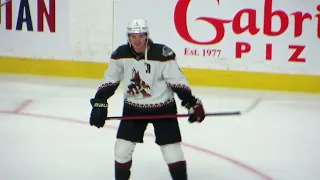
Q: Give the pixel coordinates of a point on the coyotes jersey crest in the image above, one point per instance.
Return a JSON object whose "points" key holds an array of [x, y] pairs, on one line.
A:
{"points": [[138, 86]]}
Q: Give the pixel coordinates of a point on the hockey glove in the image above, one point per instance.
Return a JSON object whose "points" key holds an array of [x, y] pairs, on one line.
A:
{"points": [[99, 112], [195, 110]]}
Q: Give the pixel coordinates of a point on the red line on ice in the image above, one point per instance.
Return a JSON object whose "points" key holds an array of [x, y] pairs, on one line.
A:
{"points": [[22, 106]]}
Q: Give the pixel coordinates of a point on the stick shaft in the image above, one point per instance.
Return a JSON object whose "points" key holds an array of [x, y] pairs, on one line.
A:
{"points": [[230, 113], [170, 116]]}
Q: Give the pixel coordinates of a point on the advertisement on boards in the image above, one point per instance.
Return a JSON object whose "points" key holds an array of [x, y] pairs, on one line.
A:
{"points": [[34, 28], [251, 35]]}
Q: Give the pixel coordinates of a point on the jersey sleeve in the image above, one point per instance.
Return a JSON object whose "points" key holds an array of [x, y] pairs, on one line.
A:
{"points": [[176, 80], [111, 79]]}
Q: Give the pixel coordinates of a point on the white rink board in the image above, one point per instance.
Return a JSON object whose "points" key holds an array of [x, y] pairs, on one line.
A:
{"points": [[194, 52], [87, 31], [83, 32], [25, 39]]}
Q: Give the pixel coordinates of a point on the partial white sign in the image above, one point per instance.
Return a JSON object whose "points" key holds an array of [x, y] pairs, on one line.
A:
{"points": [[34, 28], [251, 35]]}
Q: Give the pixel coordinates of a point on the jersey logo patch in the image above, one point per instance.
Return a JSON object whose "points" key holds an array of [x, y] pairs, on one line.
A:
{"points": [[166, 51], [137, 85]]}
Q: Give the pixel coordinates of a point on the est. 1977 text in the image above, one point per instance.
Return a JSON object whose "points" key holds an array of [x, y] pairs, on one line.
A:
{"points": [[202, 52]]}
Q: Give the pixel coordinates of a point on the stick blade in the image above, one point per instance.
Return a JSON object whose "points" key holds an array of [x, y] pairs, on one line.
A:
{"points": [[253, 105]]}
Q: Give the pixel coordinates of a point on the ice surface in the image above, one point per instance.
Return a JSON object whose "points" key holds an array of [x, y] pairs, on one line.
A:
{"points": [[44, 134]]}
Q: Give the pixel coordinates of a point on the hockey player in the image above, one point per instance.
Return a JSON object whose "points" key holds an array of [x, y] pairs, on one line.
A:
{"points": [[151, 76]]}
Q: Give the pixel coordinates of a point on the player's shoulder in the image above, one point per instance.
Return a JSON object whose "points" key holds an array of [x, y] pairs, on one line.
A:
{"points": [[162, 52], [122, 51]]}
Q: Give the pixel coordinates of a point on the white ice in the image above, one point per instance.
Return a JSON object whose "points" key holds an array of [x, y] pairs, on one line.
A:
{"points": [[44, 134]]}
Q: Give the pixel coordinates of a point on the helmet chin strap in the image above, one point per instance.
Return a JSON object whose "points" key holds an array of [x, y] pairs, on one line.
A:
{"points": [[146, 50]]}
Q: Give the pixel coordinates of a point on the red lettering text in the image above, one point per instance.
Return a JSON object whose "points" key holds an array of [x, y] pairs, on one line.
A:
{"points": [[295, 56], [251, 27], [50, 16], [24, 15], [299, 17], [8, 15], [318, 16], [180, 21], [270, 15], [190, 52], [211, 52], [268, 52], [242, 47]]}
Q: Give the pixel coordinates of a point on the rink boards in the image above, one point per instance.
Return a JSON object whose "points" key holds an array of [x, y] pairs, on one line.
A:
{"points": [[261, 44], [203, 77]]}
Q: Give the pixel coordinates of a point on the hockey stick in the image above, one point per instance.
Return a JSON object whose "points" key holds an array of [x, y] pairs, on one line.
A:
{"points": [[171, 116], [231, 113]]}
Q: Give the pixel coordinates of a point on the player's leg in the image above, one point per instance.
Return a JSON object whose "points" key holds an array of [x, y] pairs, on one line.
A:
{"points": [[168, 137], [129, 133], [123, 151]]}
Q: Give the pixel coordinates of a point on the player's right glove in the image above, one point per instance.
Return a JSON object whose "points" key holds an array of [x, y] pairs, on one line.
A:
{"points": [[99, 112], [195, 110]]}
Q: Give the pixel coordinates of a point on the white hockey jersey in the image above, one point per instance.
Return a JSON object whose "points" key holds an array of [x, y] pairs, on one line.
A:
{"points": [[149, 82]]}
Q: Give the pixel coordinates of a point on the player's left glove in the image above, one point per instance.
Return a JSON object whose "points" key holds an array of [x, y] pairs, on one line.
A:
{"points": [[195, 110], [99, 112]]}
